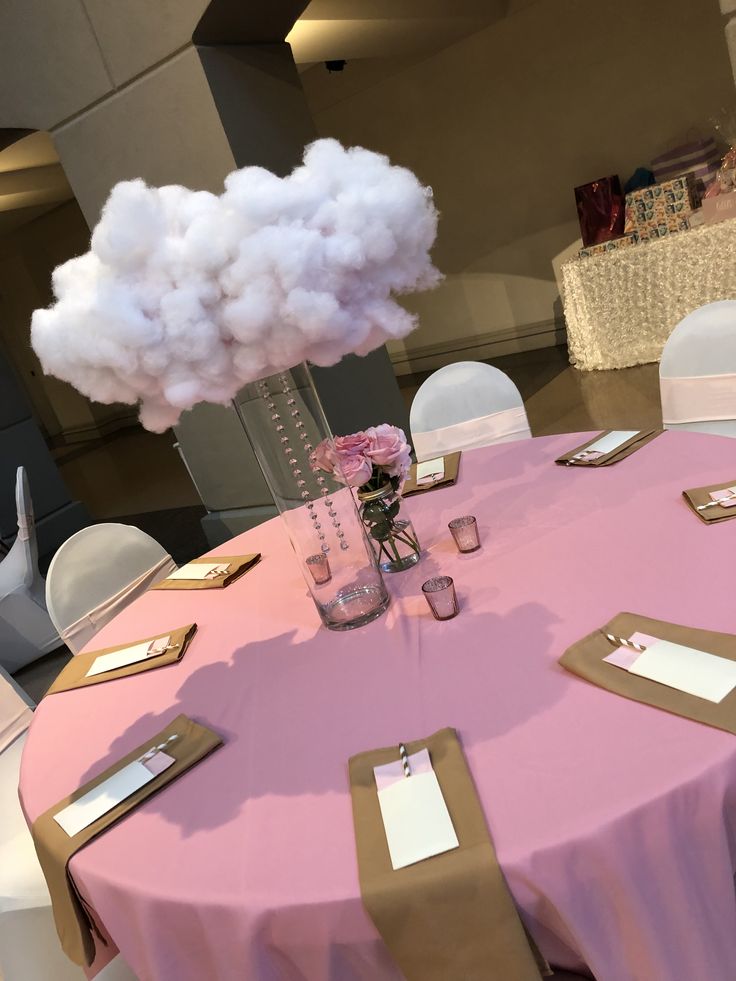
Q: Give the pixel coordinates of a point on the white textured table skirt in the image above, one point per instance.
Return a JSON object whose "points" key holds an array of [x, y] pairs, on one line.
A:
{"points": [[621, 306]]}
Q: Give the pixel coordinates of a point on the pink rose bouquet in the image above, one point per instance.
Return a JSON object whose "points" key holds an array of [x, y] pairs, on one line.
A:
{"points": [[368, 459]]}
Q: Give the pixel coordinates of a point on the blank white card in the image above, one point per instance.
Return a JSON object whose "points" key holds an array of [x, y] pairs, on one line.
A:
{"points": [[431, 470], [612, 441], [416, 820], [198, 570], [687, 669]]}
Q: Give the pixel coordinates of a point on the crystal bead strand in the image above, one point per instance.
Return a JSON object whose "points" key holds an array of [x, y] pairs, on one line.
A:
{"points": [[293, 462], [309, 450]]}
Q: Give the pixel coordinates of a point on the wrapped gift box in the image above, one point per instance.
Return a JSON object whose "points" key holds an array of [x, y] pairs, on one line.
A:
{"points": [[665, 203], [610, 246]]}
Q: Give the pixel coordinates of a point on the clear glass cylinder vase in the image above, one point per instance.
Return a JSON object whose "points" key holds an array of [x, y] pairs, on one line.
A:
{"points": [[285, 422], [389, 528]]}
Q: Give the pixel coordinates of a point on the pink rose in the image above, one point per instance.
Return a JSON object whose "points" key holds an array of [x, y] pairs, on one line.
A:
{"points": [[389, 449], [350, 453], [322, 457]]}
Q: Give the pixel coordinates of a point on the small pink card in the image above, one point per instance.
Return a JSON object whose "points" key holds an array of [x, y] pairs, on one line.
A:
{"points": [[726, 496], [624, 657], [158, 763], [391, 773]]}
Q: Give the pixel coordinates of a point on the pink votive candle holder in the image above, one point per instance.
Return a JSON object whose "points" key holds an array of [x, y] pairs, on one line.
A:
{"points": [[440, 594], [465, 532], [319, 566]]}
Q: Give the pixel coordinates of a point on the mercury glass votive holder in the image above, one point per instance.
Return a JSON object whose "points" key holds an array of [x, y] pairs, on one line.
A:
{"points": [[440, 594], [465, 532], [319, 567]]}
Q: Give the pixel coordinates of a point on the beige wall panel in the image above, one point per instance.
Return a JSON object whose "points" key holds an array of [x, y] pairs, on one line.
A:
{"points": [[163, 128], [135, 34], [50, 63], [505, 124]]}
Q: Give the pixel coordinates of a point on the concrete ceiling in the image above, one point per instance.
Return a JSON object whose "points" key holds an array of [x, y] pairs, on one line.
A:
{"points": [[411, 29], [32, 181]]}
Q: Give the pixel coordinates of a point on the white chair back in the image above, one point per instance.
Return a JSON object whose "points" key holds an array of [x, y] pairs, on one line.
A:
{"points": [[697, 373], [98, 572], [463, 406], [26, 630]]}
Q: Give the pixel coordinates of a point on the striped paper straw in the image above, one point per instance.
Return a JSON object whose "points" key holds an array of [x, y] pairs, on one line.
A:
{"points": [[404, 760], [622, 642]]}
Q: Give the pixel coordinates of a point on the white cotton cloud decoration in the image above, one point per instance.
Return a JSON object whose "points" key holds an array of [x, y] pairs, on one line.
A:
{"points": [[185, 296]]}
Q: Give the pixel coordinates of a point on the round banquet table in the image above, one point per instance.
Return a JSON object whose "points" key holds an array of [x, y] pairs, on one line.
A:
{"points": [[612, 820]]}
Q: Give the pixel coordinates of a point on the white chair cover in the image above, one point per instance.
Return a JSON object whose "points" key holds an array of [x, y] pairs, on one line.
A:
{"points": [[29, 946], [464, 406], [96, 573], [26, 630], [697, 373]]}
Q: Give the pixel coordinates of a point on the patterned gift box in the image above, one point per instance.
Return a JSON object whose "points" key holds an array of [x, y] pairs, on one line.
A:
{"points": [[610, 246], [661, 203]]}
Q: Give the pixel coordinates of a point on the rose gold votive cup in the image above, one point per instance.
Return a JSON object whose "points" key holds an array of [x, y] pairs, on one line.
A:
{"points": [[440, 594], [465, 532], [319, 566]]}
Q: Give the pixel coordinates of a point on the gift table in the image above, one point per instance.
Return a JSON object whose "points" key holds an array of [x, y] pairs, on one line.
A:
{"points": [[612, 820], [621, 306]]}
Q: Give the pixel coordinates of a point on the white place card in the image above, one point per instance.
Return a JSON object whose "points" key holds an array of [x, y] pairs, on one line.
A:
{"points": [[687, 669], [199, 570], [611, 441], [415, 818], [128, 655], [113, 791], [431, 470]]}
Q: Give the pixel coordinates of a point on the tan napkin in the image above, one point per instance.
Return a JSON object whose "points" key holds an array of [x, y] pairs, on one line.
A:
{"points": [[585, 658], [452, 465], [73, 675], [620, 453], [74, 920], [239, 565], [701, 495], [450, 917]]}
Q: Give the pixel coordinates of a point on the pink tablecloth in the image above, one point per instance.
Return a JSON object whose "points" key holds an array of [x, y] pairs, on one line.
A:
{"points": [[613, 821]]}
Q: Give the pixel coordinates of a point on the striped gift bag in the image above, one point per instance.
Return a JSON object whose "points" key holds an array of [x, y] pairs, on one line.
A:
{"points": [[702, 158]]}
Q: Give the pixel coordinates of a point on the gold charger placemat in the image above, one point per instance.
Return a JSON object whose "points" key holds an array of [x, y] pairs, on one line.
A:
{"points": [[74, 921], [239, 565], [73, 675], [452, 465], [701, 495], [450, 917], [585, 658], [620, 453]]}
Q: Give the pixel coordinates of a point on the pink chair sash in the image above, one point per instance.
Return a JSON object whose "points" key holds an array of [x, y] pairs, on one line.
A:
{"points": [[77, 635], [15, 714], [499, 427], [699, 398]]}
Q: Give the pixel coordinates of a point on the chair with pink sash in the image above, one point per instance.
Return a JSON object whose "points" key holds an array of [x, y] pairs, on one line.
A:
{"points": [[464, 406], [697, 373], [96, 573], [26, 630]]}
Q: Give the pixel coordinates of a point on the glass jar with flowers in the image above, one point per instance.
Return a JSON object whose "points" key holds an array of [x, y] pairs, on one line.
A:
{"points": [[376, 462]]}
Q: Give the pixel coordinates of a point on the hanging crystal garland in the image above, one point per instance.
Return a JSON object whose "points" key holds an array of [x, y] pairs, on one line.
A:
{"points": [[318, 474]]}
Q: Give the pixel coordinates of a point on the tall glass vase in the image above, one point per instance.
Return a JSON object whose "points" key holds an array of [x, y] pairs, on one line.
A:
{"points": [[284, 420]]}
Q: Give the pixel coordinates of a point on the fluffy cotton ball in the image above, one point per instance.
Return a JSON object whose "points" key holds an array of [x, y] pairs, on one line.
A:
{"points": [[185, 296]]}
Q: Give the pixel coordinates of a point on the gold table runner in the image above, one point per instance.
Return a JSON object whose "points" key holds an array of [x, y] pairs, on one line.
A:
{"points": [[620, 453], [239, 565], [450, 917], [74, 921], [701, 495], [452, 465], [74, 674], [585, 658]]}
